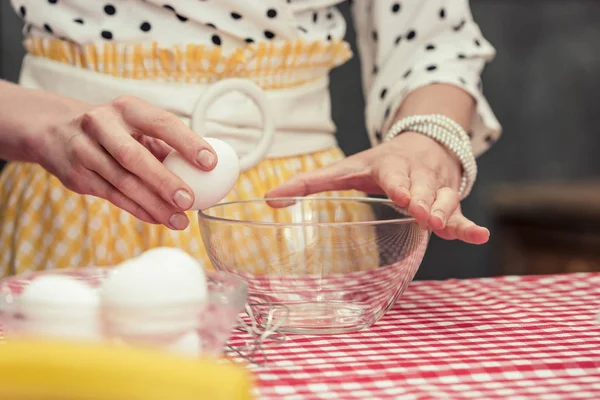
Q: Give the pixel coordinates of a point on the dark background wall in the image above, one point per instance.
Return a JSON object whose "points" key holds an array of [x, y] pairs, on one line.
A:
{"points": [[543, 87]]}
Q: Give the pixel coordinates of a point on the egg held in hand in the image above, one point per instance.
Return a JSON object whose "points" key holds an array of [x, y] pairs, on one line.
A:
{"points": [[209, 187]]}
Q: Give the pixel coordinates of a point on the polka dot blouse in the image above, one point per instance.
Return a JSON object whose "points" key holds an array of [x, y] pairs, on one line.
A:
{"points": [[403, 44]]}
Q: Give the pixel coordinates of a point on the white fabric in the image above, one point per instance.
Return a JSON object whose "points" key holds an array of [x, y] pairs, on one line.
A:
{"points": [[301, 115], [398, 40]]}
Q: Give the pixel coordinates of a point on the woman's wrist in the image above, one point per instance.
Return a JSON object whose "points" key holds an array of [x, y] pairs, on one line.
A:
{"points": [[26, 120]]}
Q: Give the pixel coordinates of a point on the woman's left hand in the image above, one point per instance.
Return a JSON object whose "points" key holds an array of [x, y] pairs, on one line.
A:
{"points": [[413, 170]]}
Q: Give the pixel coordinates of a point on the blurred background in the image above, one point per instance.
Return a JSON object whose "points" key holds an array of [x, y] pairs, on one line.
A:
{"points": [[539, 187]]}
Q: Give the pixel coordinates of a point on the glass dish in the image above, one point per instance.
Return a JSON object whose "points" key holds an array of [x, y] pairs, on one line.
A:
{"points": [[324, 264], [227, 297]]}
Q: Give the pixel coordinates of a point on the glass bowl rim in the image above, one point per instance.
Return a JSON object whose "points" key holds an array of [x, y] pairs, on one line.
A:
{"points": [[404, 220]]}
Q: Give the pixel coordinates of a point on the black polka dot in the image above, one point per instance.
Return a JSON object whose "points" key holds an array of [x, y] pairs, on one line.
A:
{"points": [[398, 40], [383, 93], [315, 17], [269, 35], [22, 11], [216, 40], [145, 26], [387, 112], [107, 35], [378, 136], [460, 25], [470, 135], [477, 42], [461, 56], [181, 17], [489, 139], [411, 35], [48, 28], [430, 47], [302, 29], [78, 21], [375, 69], [211, 25], [407, 73], [374, 35], [271, 13], [169, 7], [395, 7], [329, 37], [330, 15], [431, 67], [52, 1], [249, 40], [442, 13], [462, 80], [109, 9], [235, 15]]}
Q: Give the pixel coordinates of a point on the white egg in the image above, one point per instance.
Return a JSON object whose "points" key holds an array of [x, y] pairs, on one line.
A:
{"points": [[209, 187], [59, 306], [188, 344], [161, 276], [161, 292]]}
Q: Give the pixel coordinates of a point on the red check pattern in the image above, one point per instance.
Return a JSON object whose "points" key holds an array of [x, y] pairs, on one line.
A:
{"points": [[509, 337]]}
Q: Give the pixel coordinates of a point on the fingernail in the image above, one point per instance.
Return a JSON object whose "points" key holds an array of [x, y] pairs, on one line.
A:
{"points": [[183, 199], [440, 215], [178, 221], [206, 159], [423, 204]]}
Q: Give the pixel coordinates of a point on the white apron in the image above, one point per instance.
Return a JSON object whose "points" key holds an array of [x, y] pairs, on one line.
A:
{"points": [[258, 123]]}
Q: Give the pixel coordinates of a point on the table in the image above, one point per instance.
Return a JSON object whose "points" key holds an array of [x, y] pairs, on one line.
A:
{"points": [[528, 337]]}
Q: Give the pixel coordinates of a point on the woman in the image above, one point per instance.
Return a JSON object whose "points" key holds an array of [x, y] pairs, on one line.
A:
{"points": [[75, 149]]}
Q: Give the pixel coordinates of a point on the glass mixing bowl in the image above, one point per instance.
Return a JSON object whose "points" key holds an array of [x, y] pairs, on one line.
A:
{"points": [[227, 296], [321, 264]]}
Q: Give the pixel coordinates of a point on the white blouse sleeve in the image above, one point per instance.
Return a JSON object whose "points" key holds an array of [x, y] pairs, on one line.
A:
{"points": [[405, 45]]}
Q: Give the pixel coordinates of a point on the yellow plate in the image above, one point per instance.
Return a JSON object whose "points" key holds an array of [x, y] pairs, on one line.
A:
{"points": [[42, 370]]}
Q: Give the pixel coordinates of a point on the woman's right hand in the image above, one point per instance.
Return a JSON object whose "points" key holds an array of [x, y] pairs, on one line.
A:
{"points": [[115, 151]]}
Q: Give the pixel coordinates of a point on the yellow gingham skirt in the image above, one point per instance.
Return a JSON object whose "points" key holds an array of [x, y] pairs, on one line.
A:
{"points": [[45, 226]]}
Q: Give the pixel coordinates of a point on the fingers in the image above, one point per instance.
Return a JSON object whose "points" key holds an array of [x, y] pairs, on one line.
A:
{"points": [[160, 124], [343, 175], [432, 204], [461, 228], [394, 179], [101, 188], [446, 201], [423, 191], [119, 184], [145, 170]]}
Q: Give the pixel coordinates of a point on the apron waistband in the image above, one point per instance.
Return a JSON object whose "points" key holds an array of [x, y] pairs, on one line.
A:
{"points": [[256, 123]]}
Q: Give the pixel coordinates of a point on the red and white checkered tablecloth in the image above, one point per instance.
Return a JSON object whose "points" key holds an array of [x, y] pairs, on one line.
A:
{"points": [[509, 337]]}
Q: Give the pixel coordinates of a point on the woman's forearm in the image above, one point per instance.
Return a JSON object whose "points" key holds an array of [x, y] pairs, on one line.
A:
{"points": [[448, 100], [25, 117]]}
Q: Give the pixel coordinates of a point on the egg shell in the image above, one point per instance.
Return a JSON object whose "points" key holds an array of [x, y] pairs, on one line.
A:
{"points": [[209, 187], [56, 296], [188, 344], [160, 277]]}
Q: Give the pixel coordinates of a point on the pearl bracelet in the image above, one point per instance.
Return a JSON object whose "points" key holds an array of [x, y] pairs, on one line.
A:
{"points": [[448, 133]]}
